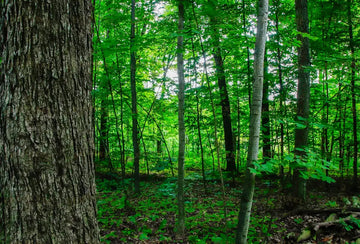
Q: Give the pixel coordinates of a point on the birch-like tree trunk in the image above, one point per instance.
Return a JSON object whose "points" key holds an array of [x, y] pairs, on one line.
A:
{"points": [[255, 119], [181, 97], [47, 187]]}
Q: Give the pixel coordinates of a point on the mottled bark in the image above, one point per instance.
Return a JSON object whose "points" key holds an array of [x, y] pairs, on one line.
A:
{"points": [[47, 188], [255, 119], [303, 95]]}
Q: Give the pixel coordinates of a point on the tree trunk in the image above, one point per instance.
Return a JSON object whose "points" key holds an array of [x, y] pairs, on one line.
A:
{"points": [[281, 84], [265, 117], [303, 96], [249, 80], [198, 119], [340, 128], [217, 146], [255, 119], [103, 132], [224, 97], [47, 187], [135, 132], [181, 97], [325, 119]]}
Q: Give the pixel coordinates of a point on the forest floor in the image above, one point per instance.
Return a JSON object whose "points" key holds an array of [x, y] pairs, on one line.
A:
{"points": [[330, 215]]}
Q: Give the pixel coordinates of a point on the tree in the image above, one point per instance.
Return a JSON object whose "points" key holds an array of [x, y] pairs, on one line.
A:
{"points": [[47, 188], [135, 132], [224, 97], [181, 97], [255, 119], [104, 135], [303, 95], [265, 116]]}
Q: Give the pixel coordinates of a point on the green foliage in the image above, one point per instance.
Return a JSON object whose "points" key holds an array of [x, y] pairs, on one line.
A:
{"points": [[345, 225], [298, 220], [330, 141], [331, 204]]}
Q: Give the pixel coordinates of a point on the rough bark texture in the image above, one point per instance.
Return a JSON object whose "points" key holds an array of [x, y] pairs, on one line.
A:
{"points": [[47, 187], [255, 119], [181, 96], [303, 94], [135, 131]]}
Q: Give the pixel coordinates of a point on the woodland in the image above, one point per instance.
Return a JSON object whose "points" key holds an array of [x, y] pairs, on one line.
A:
{"points": [[230, 121], [219, 41]]}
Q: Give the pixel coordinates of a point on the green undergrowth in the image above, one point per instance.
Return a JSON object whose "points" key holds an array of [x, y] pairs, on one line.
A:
{"points": [[151, 216], [211, 216]]}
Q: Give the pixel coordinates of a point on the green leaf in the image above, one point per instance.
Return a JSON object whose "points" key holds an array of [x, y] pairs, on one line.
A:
{"points": [[143, 237], [217, 239], [306, 234]]}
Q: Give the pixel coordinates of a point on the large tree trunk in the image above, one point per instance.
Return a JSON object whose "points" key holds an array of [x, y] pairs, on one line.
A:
{"points": [[255, 119], [181, 97], [303, 95], [47, 188]]}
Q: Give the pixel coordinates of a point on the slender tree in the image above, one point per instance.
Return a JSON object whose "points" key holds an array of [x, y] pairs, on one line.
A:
{"points": [[198, 118], [181, 97], [104, 132], [224, 97], [135, 131], [281, 83], [47, 187], [255, 120], [265, 116], [303, 95]]}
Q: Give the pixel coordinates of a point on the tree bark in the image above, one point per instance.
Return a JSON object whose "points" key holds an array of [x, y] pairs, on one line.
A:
{"points": [[47, 187], [181, 97], [135, 131], [303, 95], [255, 119]]}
